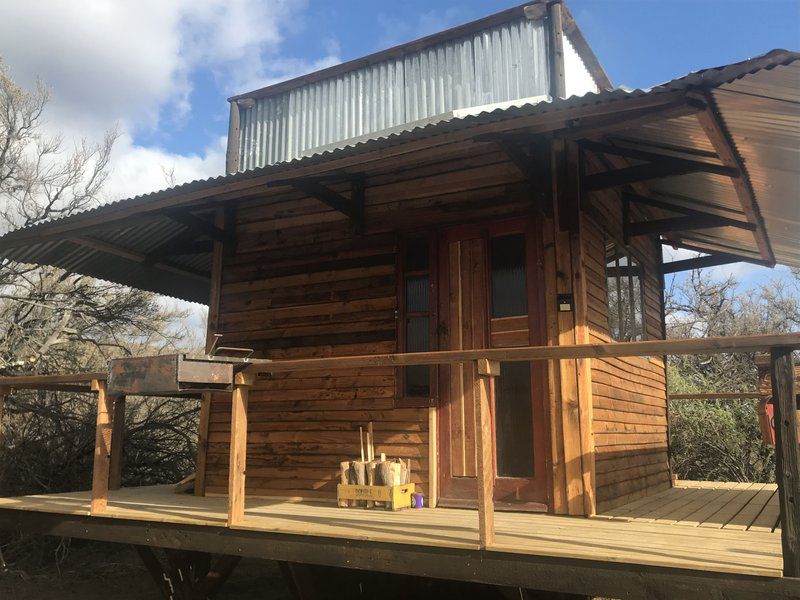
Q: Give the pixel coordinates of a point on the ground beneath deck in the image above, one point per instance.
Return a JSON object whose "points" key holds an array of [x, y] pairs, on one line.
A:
{"points": [[723, 527]]}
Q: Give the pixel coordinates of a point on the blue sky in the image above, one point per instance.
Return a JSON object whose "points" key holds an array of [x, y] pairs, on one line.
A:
{"points": [[639, 42]]}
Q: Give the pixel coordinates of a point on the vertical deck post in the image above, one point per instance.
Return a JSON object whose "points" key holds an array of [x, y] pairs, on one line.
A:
{"points": [[238, 455], [117, 443], [102, 449], [485, 372], [787, 457]]}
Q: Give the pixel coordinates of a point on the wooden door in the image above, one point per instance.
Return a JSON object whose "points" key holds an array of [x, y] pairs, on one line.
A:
{"points": [[489, 297]]}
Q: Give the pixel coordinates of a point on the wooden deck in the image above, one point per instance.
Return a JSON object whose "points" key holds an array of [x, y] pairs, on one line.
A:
{"points": [[728, 528]]}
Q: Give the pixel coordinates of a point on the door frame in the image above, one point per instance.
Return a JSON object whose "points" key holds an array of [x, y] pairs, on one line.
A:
{"points": [[462, 491]]}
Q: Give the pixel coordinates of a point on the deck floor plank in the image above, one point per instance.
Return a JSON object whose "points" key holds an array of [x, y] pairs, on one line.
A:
{"points": [[645, 532]]}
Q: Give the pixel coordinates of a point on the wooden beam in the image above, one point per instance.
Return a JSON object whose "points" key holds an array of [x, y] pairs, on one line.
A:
{"points": [[718, 396], [558, 85], [314, 188], [709, 345], [665, 204], [117, 444], [201, 226], [433, 456], [225, 221], [136, 257], [712, 123], [665, 168], [232, 151], [696, 247], [102, 449], [158, 573], [650, 156], [584, 373], [681, 106], [216, 577], [30, 382], [532, 166], [238, 448], [170, 247], [681, 224], [701, 262], [485, 372], [787, 456], [609, 579]]}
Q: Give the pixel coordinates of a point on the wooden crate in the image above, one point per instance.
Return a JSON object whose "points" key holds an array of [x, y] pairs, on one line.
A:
{"points": [[395, 496]]}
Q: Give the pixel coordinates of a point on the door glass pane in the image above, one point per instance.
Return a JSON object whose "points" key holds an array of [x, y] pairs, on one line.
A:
{"points": [[417, 294], [509, 289], [416, 255], [417, 377], [417, 334], [514, 420], [418, 381]]}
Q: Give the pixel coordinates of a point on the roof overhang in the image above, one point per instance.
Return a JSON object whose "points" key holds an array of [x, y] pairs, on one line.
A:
{"points": [[741, 121]]}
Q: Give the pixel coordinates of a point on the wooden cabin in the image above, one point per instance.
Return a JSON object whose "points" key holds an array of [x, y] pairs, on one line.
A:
{"points": [[482, 193]]}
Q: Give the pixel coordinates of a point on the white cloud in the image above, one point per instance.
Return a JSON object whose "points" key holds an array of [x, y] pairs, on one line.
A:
{"points": [[110, 61], [130, 64], [142, 169]]}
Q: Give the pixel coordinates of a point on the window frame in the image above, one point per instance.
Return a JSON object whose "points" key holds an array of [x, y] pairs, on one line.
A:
{"points": [[624, 251], [402, 399]]}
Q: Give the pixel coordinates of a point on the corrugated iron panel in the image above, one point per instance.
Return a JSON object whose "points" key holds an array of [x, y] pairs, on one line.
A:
{"points": [[762, 114], [503, 63]]}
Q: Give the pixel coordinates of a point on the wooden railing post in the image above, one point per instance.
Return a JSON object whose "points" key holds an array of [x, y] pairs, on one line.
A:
{"points": [[485, 372], [117, 443], [238, 455], [102, 449], [787, 457]]}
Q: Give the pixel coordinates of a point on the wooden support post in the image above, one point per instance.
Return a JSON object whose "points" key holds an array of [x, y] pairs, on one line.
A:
{"points": [[117, 443], [787, 457], [224, 220], [102, 449], [5, 392], [433, 457], [485, 372], [238, 454]]}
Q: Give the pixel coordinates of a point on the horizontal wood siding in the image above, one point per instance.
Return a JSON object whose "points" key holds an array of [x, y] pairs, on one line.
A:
{"points": [[629, 405], [302, 283]]}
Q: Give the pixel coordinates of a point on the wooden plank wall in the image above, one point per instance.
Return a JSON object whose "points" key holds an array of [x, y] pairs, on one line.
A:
{"points": [[301, 284], [629, 404]]}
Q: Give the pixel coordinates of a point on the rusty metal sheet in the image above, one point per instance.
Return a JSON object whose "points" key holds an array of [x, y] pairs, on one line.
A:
{"points": [[168, 375]]}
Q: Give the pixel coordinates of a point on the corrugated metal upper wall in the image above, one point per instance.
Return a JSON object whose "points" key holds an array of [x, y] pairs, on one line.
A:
{"points": [[503, 63]]}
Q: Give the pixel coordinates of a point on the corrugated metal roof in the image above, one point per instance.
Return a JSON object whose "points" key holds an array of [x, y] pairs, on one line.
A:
{"points": [[501, 63], [757, 98]]}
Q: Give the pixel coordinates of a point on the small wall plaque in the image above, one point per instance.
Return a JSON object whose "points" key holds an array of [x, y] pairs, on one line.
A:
{"points": [[565, 303]]}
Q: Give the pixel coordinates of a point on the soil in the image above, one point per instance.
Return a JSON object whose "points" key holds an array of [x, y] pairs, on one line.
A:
{"points": [[104, 574]]}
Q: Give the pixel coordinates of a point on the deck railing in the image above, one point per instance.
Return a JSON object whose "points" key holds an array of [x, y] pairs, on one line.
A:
{"points": [[486, 366]]}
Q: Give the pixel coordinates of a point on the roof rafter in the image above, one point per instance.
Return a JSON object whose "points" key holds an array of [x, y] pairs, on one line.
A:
{"points": [[199, 225], [316, 187], [136, 257]]}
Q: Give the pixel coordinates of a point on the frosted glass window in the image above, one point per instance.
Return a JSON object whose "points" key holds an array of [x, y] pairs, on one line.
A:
{"points": [[509, 288]]}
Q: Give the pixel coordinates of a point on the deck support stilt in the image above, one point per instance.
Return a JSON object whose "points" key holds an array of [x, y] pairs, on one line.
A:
{"points": [[102, 449], [299, 578], [485, 372], [189, 575], [238, 449], [787, 457]]}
